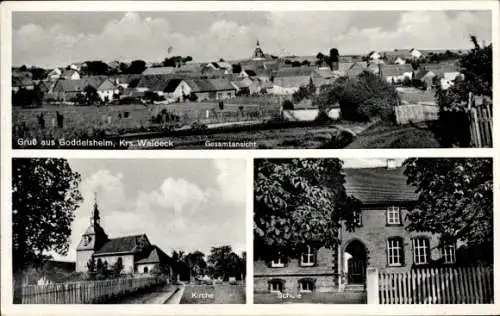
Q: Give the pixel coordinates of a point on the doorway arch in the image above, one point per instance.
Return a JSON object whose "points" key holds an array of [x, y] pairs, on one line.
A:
{"points": [[355, 261]]}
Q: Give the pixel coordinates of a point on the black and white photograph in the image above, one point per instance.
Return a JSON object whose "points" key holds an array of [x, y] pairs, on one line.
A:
{"points": [[373, 231], [128, 231], [225, 79]]}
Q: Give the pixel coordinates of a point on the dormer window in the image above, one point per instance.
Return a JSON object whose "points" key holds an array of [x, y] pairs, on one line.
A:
{"points": [[393, 215], [307, 258]]}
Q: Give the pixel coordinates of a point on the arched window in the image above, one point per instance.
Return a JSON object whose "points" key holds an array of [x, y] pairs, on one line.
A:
{"points": [[145, 270], [395, 252], [306, 285], [421, 251], [276, 285], [308, 258]]}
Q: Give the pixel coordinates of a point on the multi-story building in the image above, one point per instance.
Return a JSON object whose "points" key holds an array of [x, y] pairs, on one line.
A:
{"points": [[379, 240]]}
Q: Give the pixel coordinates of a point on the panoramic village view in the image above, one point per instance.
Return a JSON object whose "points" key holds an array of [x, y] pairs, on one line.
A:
{"points": [[376, 231], [228, 80], [109, 231]]}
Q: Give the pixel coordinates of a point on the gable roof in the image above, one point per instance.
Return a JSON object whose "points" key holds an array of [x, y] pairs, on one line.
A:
{"points": [[396, 70], [156, 255], [158, 71], [63, 85], [171, 85], [379, 185], [206, 85], [291, 82], [441, 68], [68, 72], [293, 72], [127, 244]]}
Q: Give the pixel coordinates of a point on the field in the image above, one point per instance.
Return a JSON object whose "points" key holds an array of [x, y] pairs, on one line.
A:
{"points": [[214, 294]]}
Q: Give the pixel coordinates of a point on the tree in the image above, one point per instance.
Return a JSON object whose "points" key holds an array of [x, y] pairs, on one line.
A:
{"points": [[225, 263], [91, 95], [196, 263], [320, 59], [333, 58], [137, 67], [455, 200], [236, 68], [118, 267], [96, 68], [299, 202], [45, 196]]}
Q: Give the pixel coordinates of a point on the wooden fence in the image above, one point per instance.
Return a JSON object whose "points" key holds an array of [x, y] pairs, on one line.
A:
{"points": [[416, 113], [85, 292], [481, 125], [470, 285]]}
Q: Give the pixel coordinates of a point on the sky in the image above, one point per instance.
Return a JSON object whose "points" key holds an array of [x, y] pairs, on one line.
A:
{"points": [[188, 204], [50, 39]]}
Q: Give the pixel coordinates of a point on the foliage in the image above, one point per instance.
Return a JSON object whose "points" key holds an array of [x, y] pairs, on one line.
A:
{"points": [[361, 98], [91, 265], [136, 67], [95, 68], [117, 267], [45, 196], [304, 92], [89, 96], [455, 198], [299, 202], [175, 61], [287, 105], [196, 262], [330, 59], [225, 263], [27, 98]]}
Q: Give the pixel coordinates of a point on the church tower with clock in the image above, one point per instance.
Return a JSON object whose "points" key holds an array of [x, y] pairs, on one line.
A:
{"points": [[93, 239]]}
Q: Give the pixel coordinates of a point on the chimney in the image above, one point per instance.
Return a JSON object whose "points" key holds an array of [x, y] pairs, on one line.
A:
{"points": [[391, 164]]}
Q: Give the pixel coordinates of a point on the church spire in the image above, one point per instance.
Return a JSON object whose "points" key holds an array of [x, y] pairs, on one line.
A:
{"points": [[95, 219]]}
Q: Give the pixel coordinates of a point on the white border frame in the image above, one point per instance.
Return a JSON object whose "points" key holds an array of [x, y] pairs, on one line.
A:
{"points": [[7, 153]]}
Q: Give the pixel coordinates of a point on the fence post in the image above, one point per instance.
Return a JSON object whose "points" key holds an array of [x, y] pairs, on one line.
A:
{"points": [[372, 287]]}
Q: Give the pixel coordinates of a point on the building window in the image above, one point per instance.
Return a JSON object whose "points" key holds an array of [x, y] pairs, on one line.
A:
{"points": [[449, 254], [145, 270], [421, 251], [278, 263], [306, 285], [276, 286], [395, 253], [393, 216], [307, 258], [358, 219]]}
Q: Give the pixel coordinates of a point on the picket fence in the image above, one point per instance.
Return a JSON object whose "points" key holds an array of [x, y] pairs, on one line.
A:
{"points": [[469, 285], [415, 113], [481, 125], [85, 292]]}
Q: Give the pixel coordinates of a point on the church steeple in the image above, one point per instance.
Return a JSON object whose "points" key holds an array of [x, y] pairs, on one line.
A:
{"points": [[95, 218], [258, 54]]}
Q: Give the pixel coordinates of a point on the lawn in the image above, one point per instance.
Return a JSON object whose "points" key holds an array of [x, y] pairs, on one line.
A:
{"points": [[214, 294], [314, 298], [388, 135]]}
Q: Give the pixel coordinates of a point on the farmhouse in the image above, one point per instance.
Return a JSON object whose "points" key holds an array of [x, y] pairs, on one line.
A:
{"points": [[66, 90], [288, 85], [135, 252], [396, 73], [205, 89], [380, 240], [158, 71], [70, 74], [445, 72]]}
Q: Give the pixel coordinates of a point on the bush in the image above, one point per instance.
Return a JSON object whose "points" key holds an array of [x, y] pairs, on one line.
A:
{"points": [[362, 98], [287, 105]]}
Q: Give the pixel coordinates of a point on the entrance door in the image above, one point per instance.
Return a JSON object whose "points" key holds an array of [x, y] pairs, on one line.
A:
{"points": [[355, 255]]}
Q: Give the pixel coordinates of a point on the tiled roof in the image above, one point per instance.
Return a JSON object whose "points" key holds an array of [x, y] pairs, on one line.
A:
{"points": [[128, 244], [413, 95], [153, 83], [155, 256], [205, 85], [293, 72], [379, 185], [441, 68], [158, 71], [291, 82], [396, 70], [172, 85], [78, 85]]}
